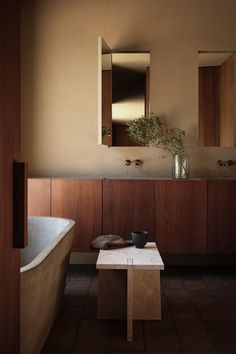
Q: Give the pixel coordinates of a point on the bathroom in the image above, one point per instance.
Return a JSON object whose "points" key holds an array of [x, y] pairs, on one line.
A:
{"points": [[60, 105]]}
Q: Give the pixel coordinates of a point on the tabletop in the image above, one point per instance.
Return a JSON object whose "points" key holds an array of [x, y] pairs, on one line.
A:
{"points": [[140, 258]]}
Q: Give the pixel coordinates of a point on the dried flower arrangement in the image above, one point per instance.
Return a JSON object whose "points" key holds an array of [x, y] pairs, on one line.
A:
{"points": [[153, 131]]}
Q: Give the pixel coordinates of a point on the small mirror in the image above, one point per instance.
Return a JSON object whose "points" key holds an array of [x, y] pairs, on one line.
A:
{"points": [[125, 93], [217, 109]]}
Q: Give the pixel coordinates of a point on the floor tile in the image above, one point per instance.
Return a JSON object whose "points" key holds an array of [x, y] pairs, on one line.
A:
{"points": [[220, 328], [63, 324], [71, 311], [204, 298], [60, 341], [195, 284], [213, 314], [175, 292], [94, 326], [224, 293], [74, 300], [198, 316], [120, 326], [126, 352], [172, 283], [90, 351], [159, 327], [184, 310], [162, 342], [119, 342], [55, 351], [92, 341], [195, 342], [224, 343], [162, 352], [190, 327]]}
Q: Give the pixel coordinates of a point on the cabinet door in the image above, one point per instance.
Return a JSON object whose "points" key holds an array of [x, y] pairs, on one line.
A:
{"points": [[39, 196], [221, 216], [128, 205], [181, 216], [79, 200]]}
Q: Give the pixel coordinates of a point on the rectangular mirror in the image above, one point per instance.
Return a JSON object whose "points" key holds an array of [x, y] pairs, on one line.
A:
{"points": [[106, 87], [217, 93], [125, 93]]}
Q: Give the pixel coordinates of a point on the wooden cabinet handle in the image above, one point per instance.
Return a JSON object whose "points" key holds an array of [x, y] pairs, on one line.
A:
{"points": [[20, 218]]}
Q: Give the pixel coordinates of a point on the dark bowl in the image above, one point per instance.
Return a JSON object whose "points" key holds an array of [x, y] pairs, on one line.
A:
{"points": [[139, 238]]}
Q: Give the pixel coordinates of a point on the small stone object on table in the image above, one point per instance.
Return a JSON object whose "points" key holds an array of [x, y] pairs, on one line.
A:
{"points": [[129, 284]]}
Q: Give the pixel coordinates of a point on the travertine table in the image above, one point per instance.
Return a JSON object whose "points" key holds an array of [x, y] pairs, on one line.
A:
{"points": [[129, 284]]}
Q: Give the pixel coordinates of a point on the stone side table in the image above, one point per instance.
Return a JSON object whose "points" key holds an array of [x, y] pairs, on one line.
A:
{"points": [[129, 284]]}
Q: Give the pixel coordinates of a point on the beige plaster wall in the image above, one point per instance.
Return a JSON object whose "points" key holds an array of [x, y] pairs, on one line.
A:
{"points": [[60, 80]]}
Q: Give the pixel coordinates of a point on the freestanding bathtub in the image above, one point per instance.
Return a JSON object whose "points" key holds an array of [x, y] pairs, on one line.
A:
{"points": [[43, 272]]}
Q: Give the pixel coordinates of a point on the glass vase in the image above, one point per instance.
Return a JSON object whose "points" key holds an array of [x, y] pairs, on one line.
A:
{"points": [[180, 166]]}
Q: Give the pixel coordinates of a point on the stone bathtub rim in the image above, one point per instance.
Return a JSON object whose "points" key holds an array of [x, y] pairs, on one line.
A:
{"points": [[47, 250]]}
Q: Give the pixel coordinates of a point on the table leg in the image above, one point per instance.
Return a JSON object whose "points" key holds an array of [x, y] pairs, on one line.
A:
{"points": [[129, 300]]}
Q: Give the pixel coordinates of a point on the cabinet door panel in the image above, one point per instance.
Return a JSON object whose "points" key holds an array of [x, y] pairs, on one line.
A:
{"points": [[221, 216], [79, 200], [181, 216], [39, 197], [127, 206]]}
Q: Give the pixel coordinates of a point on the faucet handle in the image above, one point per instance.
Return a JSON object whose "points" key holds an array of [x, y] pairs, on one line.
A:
{"points": [[127, 162], [138, 162]]}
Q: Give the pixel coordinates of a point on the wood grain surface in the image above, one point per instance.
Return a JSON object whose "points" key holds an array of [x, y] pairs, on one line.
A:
{"points": [[9, 151], [128, 205], [221, 216], [79, 200], [181, 216], [39, 197]]}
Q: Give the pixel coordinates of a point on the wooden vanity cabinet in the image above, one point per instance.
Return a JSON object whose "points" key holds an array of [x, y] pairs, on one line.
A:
{"points": [[221, 212], [128, 205], [180, 214], [80, 200]]}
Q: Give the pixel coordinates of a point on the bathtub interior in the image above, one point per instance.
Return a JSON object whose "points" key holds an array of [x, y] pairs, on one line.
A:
{"points": [[42, 233]]}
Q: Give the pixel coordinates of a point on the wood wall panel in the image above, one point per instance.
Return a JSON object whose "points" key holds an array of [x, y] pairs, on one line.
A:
{"points": [[221, 216], [39, 197], [120, 136], [128, 205], [181, 216], [208, 118], [80, 200], [226, 96], [107, 105], [9, 151]]}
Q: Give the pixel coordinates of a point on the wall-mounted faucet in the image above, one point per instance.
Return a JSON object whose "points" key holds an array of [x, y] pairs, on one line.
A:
{"points": [[136, 162], [228, 163]]}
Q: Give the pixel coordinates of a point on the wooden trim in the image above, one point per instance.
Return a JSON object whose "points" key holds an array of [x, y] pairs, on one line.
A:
{"points": [[107, 106]]}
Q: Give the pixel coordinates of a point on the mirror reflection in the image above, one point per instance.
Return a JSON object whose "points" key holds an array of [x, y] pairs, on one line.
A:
{"points": [[217, 110], [106, 77], [125, 93]]}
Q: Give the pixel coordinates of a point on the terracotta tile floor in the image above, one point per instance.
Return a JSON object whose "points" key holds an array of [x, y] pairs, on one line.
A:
{"points": [[198, 316]]}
